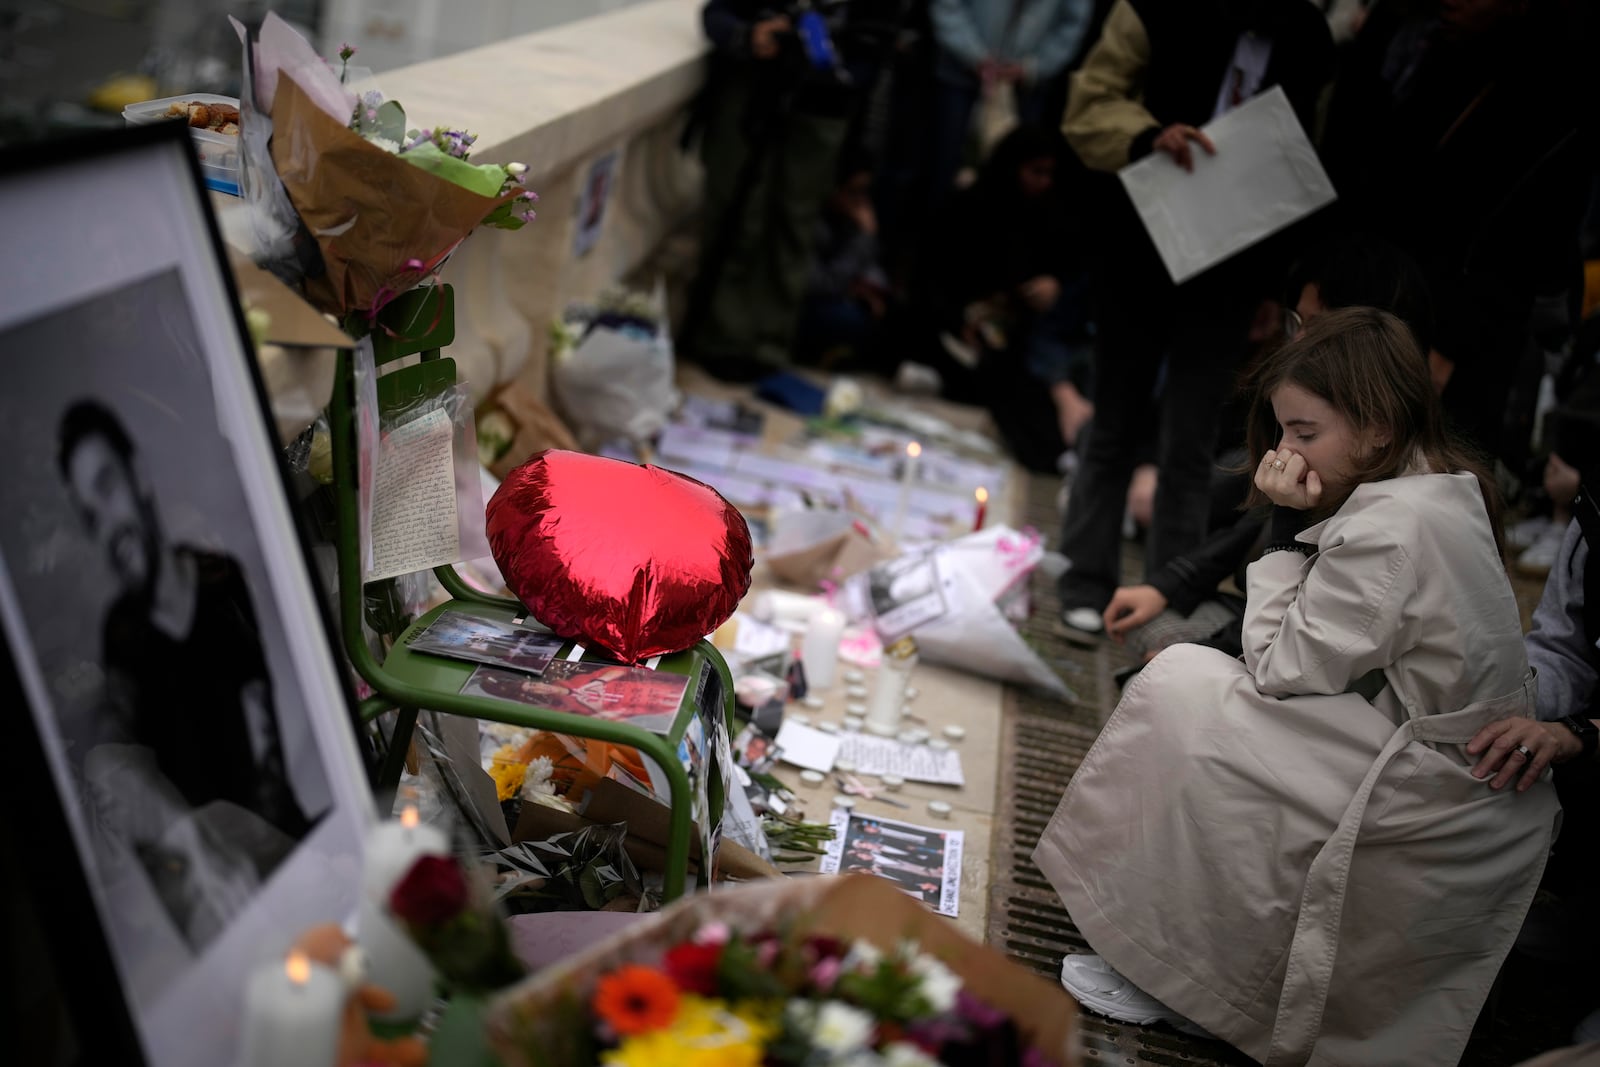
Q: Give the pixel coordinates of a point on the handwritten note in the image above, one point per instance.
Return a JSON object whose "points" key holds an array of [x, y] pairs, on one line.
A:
{"points": [[914, 763], [414, 521]]}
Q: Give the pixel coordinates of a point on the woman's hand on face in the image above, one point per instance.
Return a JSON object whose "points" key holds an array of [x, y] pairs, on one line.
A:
{"points": [[1499, 748], [1286, 480], [1131, 607]]}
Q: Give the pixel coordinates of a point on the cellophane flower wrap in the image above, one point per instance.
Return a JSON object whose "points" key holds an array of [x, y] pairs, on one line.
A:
{"points": [[844, 971], [377, 207]]}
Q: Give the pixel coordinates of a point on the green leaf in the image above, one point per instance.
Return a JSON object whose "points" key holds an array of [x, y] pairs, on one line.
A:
{"points": [[485, 179], [391, 124]]}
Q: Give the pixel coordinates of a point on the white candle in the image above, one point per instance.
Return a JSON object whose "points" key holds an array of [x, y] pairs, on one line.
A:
{"points": [[393, 847], [394, 961], [820, 649], [907, 477], [293, 1011], [888, 695]]}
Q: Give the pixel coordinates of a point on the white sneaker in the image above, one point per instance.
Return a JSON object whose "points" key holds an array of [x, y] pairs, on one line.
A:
{"points": [[1084, 620], [1540, 556], [1523, 534], [1097, 986]]}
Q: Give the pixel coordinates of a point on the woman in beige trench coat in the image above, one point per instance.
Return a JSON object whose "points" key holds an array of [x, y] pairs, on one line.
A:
{"points": [[1291, 850]]}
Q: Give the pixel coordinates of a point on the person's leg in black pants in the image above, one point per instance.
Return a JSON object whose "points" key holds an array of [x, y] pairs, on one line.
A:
{"points": [[1209, 336], [1128, 355]]}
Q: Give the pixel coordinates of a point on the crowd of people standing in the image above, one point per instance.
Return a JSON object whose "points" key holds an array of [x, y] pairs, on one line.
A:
{"points": [[1343, 764]]}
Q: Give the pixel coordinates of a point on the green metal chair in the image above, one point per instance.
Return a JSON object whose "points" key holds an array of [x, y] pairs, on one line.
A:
{"points": [[422, 323]]}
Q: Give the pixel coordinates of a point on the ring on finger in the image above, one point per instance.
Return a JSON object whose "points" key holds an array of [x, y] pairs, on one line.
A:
{"points": [[1278, 464], [1525, 751]]}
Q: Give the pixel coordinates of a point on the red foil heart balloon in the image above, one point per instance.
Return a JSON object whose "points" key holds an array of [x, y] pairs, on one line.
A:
{"points": [[637, 560]]}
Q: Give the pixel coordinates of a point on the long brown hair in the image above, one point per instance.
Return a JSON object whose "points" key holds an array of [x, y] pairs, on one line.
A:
{"points": [[1365, 364]]}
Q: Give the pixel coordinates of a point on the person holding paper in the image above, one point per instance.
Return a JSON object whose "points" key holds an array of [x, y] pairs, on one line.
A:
{"points": [[1160, 71], [1291, 849]]}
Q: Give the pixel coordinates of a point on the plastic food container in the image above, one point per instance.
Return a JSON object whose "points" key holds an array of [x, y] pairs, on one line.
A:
{"points": [[219, 154]]}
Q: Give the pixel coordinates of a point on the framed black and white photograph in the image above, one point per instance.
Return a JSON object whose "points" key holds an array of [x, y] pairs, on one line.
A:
{"points": [[157, 603]]}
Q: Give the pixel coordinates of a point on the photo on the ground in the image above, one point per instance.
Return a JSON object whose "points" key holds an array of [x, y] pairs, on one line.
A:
{"points": [[461, 635], [645, 698], [921, 862]]}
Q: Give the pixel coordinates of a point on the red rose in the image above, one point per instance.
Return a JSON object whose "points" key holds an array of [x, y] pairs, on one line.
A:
{"points": [[433, 892], [693, 967]]}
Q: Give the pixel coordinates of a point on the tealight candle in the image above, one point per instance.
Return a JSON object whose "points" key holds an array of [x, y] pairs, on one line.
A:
{"points": [[828, 727], [893, 782], [938, 809], [842, 801], [814, 702], [954, 732], [798, 717], [812, 778], [854, 676], [293, 1012], [856, 692], [856, 707], [852, 724], [939, 744], [844, 766]]}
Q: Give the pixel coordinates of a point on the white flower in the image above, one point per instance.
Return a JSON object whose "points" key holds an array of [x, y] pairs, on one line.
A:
{"points": [[863, 956], [902, 1054], [844, 398], [391, 147], [939, 983], [833, 1026], [516, 170], [536, 781]]}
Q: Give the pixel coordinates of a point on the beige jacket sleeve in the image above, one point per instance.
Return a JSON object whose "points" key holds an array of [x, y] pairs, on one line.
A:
{"points": [[1104, 112], [1318, 625]]}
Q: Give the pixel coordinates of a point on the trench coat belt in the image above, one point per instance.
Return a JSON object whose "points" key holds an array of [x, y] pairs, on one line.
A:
{"points": [[1316, 934]]}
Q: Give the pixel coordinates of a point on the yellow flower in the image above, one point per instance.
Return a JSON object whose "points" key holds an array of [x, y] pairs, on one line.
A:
{"points": [[507, 771], [705, 1033]]}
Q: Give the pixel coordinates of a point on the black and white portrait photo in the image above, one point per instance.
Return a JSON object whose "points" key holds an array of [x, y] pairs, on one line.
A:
{"points": [[160, 614], [136, 568]]}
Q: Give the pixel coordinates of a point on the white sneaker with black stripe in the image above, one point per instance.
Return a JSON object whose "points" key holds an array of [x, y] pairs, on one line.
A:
{"points": [[1097, 986]]}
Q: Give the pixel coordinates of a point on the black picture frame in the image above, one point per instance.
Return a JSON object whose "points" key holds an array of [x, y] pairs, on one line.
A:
{"points": [[51, 858]]}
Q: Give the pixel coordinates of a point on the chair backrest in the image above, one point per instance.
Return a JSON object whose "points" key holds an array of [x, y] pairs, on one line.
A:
{"points": [[420, 321]]}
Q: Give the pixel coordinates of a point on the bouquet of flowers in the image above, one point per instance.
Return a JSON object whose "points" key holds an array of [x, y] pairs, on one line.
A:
{"points": [[842, 972], [344, 197]]}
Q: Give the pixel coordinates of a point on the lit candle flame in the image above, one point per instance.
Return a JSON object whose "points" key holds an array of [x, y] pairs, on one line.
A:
{"points": [[298, 967], [982, 494], [409, 817], [913, 450]]}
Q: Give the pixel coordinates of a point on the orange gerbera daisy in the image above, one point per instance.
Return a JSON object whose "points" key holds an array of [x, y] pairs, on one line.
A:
{"points": [[636, 1000]]}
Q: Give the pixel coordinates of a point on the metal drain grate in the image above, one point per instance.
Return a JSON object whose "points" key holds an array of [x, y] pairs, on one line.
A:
{"points": [[1042, 742]]}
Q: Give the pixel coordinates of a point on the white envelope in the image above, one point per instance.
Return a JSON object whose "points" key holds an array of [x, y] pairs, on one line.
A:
{"points": [[1264, 177]]}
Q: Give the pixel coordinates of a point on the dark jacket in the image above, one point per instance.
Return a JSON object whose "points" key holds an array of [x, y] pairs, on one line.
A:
{"points": [[1163, 61], [1472, 157]]}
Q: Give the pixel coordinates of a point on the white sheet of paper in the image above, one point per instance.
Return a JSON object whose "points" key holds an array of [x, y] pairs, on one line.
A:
{"points": [[414, 522], [1264, 177], [915, 763], [808, 749]]}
